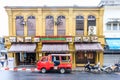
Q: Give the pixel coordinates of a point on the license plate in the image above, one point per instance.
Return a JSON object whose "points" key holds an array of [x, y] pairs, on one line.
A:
{"points": [[55, 67]]}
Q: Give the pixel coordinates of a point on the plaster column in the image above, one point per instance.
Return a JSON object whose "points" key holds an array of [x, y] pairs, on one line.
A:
{"points": [[39, 25], [100, 25], [85, 26], [97, 26], [70, 22], [55, 27], [25, 26], [14, 27], [101, 58], [43, 26], [10, 20]]}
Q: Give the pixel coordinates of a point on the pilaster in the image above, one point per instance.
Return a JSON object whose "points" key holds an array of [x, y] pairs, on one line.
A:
{"points": [[85, 26], [25, 26]]}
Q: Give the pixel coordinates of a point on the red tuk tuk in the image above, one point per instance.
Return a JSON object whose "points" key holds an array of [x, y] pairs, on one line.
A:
{"points": [[59, 62]]}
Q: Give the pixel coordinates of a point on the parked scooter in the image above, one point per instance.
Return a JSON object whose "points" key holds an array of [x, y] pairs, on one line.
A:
{"points": [[97, 68], [90, 68], [117, 67], [106, 69]]}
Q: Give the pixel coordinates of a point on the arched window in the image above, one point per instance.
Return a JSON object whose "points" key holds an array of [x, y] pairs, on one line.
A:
{"points": [[61, 25], [79, 25], [31, 25], [19, 26], [49, 25], [91, 25]]}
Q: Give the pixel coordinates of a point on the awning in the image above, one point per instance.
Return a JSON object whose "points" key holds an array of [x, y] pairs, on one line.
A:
{"points": [[113, 43], [22, 48], [88, 47], [55, 48]]}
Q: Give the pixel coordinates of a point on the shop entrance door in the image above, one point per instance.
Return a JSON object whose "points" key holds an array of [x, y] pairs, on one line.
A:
{"points": [[26, 58], [84, 57]]}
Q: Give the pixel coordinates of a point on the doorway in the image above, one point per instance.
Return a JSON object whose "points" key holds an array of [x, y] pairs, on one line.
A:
{"points": [[26, 58], [84, 57]]}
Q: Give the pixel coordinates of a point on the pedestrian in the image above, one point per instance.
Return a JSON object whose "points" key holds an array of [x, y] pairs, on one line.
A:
{"points": [[2, 59]]}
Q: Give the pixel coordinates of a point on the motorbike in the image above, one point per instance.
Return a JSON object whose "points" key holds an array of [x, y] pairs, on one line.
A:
{"points": [[90, 68], [106, 69], [116, 67], [97, 68]]}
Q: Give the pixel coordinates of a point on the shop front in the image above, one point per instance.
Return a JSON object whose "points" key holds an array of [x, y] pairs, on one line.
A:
{"points": [[55, 48], [23, 53], [87, 52], [112, 51]]}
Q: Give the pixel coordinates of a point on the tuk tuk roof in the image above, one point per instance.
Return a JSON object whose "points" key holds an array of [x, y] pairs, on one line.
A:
{"points": [[60, 54]]}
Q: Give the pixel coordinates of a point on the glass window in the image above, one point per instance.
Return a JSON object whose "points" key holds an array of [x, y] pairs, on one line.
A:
{"points": [[31, 24], [89, 55], [91, 22], [19, 26], [49, 26], [114, 26], [79, 25], [61, 25], [119, 26], [65, 58], [108, 27]]}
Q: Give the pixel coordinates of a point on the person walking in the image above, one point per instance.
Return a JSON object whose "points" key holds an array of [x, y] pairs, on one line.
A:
{"points": [[2, 59]]}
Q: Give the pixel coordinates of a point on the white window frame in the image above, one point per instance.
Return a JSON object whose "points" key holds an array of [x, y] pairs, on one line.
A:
{"points": [[115, 28], [109, 27]]}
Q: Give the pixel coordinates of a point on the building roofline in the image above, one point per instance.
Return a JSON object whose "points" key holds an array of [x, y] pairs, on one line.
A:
{"points": [[51, 7]]}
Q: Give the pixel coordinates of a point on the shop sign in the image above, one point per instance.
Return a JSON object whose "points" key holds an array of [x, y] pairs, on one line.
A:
{"points": [[69, 39], [36, 39], [52, 39], [28, 39], [78, 39], [20, 39], [94, 39], [86, 39], [12, 39]]}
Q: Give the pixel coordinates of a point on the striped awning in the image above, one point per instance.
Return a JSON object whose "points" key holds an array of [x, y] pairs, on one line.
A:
{"points": [[113, 43], [88, 47], [55, 48], [22, 48]]}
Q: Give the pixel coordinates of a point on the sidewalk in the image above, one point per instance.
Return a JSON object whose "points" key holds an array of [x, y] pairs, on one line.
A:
{"points": [[78, 69], [33, 68]]}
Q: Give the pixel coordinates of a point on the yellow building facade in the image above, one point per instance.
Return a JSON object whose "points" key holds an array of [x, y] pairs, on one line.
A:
{"points": [[38, 31]]}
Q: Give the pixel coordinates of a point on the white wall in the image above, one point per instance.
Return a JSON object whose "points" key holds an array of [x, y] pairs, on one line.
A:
{"points": [[111, 12]]}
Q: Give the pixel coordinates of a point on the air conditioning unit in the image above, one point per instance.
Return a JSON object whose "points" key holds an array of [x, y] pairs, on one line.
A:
{"points": [[92, 30]]}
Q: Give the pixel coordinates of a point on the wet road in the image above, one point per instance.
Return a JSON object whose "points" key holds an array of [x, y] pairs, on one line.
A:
{"points": [[10, 75]]}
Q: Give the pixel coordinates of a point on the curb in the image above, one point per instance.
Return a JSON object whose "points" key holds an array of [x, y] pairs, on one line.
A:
{"points": [[77, 70], [20, 69], [15, 69]]}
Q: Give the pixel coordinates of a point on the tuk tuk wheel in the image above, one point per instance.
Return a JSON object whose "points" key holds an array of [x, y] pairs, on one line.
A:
{"points": [[43, 70], [62, 70]]}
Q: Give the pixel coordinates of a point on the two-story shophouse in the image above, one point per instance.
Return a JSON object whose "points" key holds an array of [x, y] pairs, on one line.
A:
{"points": [[111, 30], [38, 31]]}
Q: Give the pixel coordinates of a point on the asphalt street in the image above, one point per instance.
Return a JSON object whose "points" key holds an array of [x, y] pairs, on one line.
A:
{"points": [[23, 75]]}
